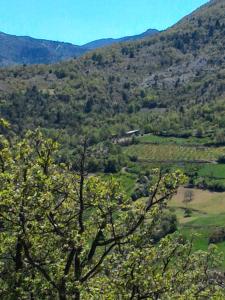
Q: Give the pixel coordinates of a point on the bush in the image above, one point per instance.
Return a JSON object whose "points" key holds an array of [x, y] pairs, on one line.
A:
{"points": [[212, 185], [112, 166], [221, 159], [149, 104], [187, 213], [60, 74], [97, 58], [217, 236], [136, 195], [133, 158], [167, 225], [94, 165]]}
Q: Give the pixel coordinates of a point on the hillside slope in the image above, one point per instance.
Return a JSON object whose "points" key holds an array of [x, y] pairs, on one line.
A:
{"points": [[27, 50], [172, 83]]}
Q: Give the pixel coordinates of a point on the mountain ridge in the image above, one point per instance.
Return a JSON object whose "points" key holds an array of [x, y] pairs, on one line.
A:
{"points": [[109, 41], [27, 50]]}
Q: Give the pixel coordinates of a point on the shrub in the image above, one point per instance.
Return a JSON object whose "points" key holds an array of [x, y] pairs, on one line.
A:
{"points": [[133, 158], [60, 74], [212, 185], [217, 236], [94, 165], [221, 159], [111, 166], [187, 213], [167, 225]]}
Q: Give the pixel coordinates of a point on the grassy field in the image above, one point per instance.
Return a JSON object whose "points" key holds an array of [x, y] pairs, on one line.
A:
{"points": [[203, 201], [127, 181], [154, 139], [213, 171], [208, 213]]}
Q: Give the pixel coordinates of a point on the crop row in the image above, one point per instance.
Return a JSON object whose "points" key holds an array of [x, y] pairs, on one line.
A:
{"points": [[174, 152]]}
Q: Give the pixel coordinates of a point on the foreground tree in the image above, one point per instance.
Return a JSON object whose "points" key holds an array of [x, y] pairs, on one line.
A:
{"points": [[64, 235]]}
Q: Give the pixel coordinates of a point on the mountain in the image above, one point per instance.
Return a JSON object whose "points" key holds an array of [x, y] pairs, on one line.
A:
{"points": [[27, 50], [172, 83], [107, 42]]}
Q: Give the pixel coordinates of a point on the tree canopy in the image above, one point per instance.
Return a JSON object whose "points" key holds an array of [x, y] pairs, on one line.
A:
{"points": [[67, 235]]}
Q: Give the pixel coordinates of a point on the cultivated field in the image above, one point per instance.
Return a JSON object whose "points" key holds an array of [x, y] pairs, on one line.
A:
{"points": [[199, 162], [174, 153], [208, 213]]}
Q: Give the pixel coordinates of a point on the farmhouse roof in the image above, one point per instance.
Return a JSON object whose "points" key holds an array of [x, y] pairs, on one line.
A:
{"points": [[133, 131]]}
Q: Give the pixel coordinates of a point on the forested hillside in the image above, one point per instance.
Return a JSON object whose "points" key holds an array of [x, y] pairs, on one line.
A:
{"points": [[172, 83]]}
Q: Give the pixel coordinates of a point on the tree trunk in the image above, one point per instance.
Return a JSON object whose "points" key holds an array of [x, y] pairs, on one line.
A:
{"points": [[76, 295], [62, 291], [62, 296]]}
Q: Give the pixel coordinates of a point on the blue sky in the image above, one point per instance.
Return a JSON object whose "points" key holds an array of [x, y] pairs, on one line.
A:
{"points": [[81, 21]]}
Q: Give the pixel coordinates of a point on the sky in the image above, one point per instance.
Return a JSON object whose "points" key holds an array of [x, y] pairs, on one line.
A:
{"points": [[82, 21]]}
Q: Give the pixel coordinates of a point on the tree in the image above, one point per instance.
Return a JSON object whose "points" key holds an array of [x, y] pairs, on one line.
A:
{"points": [[199, 132], [221, 159], [88, 106], [66, 235], [220, 137], [188, 196]]}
